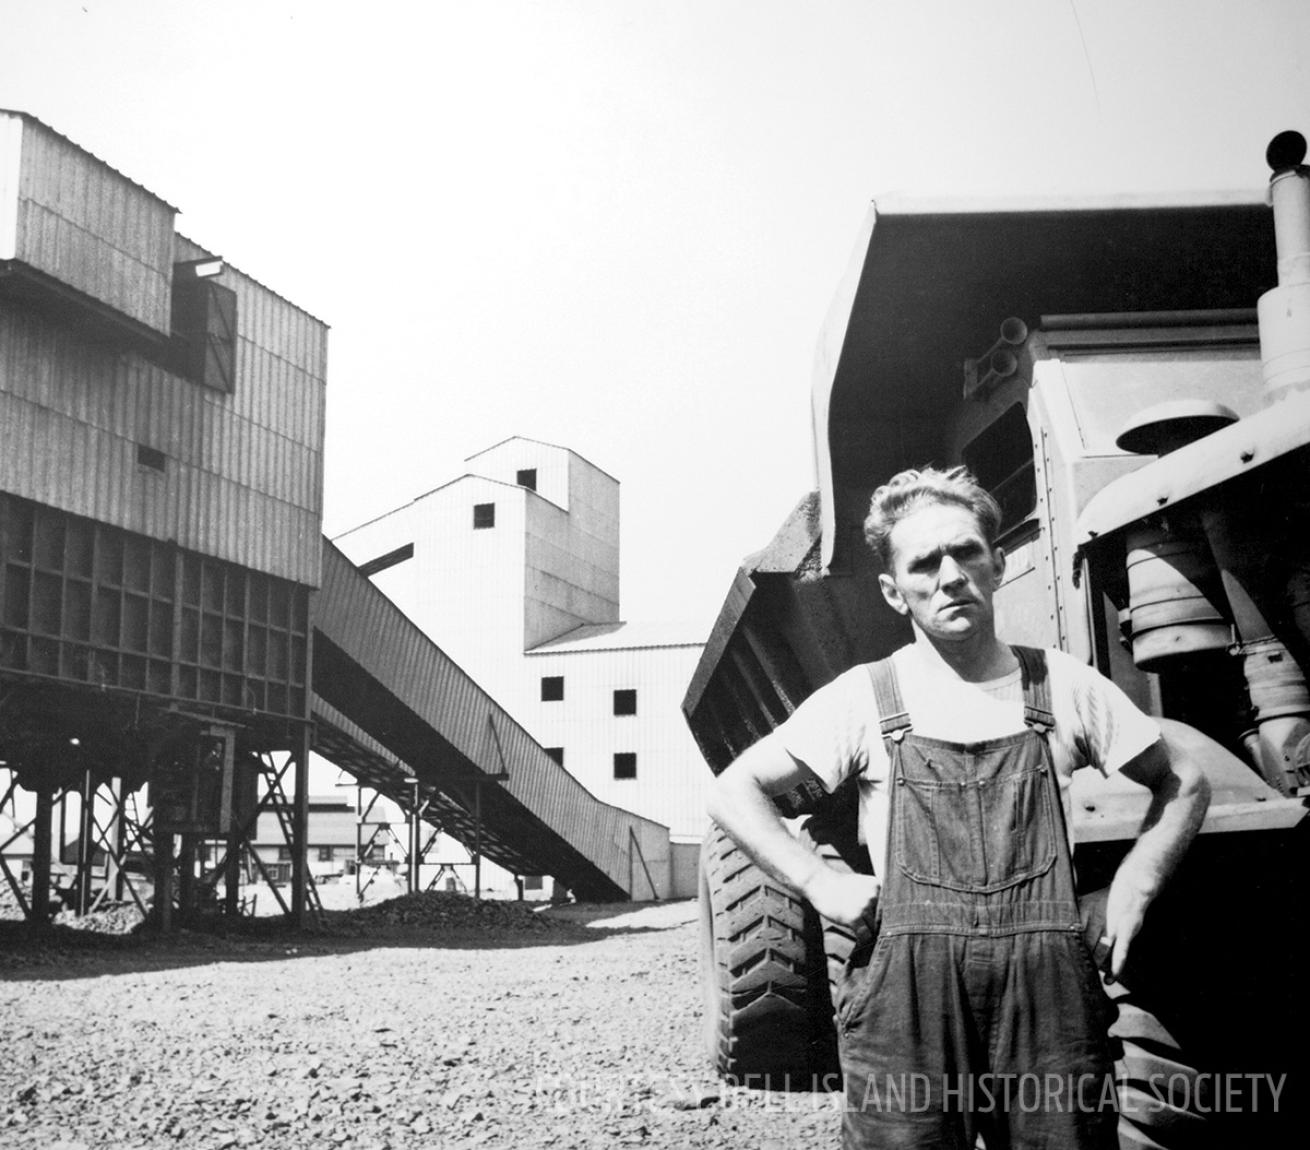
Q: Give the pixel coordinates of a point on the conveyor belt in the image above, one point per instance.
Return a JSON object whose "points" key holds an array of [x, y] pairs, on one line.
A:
{"points": [[390, 706]]}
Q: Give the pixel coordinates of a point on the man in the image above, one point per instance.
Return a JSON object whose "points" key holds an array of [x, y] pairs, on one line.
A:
{"points": [[979, 991]]}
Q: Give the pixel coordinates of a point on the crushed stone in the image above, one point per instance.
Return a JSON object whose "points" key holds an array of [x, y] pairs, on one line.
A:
{"points": [[423, 1023]]}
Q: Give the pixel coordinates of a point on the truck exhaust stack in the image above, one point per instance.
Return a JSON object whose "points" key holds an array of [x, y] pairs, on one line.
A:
{"points": [[1284, 311]]}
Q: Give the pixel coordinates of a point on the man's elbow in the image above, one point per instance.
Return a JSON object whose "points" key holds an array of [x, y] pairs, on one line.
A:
{"points": [[725, 795], [1192, 783], [719, 802], [1191, 794], [741, 783], [1171, 773]]}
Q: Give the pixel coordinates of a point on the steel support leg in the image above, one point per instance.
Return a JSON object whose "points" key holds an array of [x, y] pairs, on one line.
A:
{"points": [[477, 839], [300, 833], [415, 833], [232, 869], [164, 880], [86, 843], [186, 874], [41, 852], [359, 841], [116, 877]]}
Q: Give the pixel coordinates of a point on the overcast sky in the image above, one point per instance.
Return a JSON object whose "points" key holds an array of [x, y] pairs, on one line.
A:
{"points": [[617, 225]]}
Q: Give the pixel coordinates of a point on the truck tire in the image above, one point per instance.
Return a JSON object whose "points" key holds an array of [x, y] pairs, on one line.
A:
{"points": [[767, 1017], [1158, 1103], [1157, 1082]]}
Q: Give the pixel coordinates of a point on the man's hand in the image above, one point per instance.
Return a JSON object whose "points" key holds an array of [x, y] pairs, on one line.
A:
{"points": [[740, 803], [1125, 911], [1179, 797], [842, 897]]}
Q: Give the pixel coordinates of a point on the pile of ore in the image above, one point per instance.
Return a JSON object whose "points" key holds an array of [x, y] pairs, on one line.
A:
{"points": [[68, 938], [110, 918], [430, 916], [447, 911], [9, 906]]}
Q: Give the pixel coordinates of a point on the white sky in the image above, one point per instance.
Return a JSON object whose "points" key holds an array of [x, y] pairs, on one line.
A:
{"points": [[617, 225]]}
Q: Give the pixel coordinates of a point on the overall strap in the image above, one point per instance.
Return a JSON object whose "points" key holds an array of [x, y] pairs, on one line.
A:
{"points": [[1037, 711], [895, 719]]}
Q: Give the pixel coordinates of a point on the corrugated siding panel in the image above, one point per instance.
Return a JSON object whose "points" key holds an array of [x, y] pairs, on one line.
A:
{"points": [[93, 229], [57, 461], [244, 476], [361, 621], [11, 153]]}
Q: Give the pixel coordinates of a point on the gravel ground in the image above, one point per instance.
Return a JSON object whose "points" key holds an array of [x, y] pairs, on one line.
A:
{"points": [[417, 1024]]}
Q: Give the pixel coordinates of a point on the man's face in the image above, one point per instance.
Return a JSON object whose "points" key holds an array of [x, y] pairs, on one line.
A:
{"points": [[943, 573]]}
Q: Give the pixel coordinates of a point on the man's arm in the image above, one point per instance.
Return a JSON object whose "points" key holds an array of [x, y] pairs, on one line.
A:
{"points": [[1180, 795], [740, 802]]}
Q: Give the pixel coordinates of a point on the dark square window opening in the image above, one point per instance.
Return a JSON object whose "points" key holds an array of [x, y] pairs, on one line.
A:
{"points": [[625, 764], [556, 753], [204, 323], [484, 515], [625, 702], [527, 478], [151, 457], [552, 688]]}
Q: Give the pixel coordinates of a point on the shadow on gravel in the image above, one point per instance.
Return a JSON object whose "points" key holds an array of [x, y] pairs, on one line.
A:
{"points": [[427, 921]]}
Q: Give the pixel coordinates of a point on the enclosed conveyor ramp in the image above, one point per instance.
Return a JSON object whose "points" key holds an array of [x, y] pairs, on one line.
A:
{"points": [[393, 709]]}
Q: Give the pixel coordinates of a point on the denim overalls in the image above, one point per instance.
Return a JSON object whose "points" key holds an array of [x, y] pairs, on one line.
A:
{"points": [[979, 1006]]}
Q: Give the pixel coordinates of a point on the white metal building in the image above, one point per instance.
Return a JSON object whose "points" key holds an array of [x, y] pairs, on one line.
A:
{"points": [[513, 570], [333, 840], [605, 700]]}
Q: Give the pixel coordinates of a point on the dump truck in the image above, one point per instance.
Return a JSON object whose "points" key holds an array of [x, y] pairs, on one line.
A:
{"points": [[1131, 380]]}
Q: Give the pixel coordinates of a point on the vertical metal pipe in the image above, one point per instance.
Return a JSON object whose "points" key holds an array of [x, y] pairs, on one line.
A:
{"points": [[1284, 311], [1289, 196]]}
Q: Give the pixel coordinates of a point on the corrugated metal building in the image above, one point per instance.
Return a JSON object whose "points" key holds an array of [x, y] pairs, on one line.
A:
{"points": [[160, 491], [161, 560], [162, 472]]}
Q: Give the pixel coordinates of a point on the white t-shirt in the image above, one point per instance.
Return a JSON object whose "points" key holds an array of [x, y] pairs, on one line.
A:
{"points": [[836, 734]]}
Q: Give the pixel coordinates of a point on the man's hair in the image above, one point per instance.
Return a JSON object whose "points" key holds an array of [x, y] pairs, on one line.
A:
{"points": [[907, 491]]}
